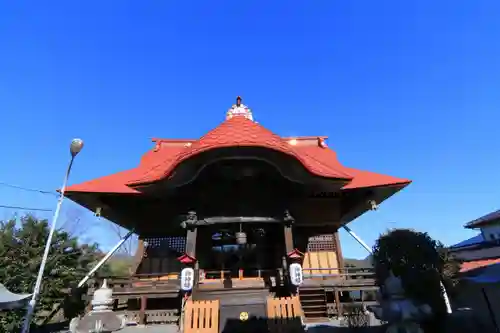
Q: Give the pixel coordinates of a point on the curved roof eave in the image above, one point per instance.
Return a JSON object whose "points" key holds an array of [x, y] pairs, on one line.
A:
{"points": [[119, 182], [114, 183]]}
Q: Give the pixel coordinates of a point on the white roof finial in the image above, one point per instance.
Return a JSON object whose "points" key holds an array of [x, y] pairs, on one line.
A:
{"points": [[239, 109]]}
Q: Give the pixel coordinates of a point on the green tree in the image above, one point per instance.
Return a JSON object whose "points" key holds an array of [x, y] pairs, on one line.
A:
{"points": [[420, 261], [119, 265], [451, 269], [21, 249]]}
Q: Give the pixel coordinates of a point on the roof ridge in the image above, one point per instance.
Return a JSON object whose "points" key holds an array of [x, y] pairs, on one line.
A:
{"points": [[238, 131]]}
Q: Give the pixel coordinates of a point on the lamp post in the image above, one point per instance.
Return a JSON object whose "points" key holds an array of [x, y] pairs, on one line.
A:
{"points": [[75, 147]]}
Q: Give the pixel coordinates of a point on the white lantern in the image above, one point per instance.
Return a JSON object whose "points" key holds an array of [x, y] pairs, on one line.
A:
{"points": [[296, 276], [187, 279]]}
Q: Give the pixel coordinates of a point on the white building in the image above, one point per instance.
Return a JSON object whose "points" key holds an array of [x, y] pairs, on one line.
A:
{"points": [[484, 247]]}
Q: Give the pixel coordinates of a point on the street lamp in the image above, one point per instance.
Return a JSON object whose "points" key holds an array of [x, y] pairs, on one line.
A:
{"points": [[75, 147]]}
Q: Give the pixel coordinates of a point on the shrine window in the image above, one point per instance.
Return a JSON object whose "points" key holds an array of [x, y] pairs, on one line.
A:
{"points": [[160, 246], [321, 243]]}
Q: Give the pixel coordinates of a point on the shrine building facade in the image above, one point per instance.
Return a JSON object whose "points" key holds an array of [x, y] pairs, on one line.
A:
{"points": [[239, 206]]}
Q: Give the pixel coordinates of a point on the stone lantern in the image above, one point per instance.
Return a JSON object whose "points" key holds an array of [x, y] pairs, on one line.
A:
{"points": [[101, 319]]}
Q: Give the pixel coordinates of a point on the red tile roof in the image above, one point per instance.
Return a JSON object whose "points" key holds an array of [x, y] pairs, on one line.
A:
{"points": [[159, 163], [470, 265]]}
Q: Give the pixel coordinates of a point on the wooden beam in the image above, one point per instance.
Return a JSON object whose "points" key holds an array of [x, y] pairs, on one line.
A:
{"points": [[337, 302], [142, 311]]}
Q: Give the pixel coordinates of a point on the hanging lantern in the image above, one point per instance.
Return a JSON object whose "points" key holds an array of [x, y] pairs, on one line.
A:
{"points": [[296, 276], [241, 238], [187, 279]]}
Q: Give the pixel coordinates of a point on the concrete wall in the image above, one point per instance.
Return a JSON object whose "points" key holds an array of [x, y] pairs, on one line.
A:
{"points": [[491, 232]]}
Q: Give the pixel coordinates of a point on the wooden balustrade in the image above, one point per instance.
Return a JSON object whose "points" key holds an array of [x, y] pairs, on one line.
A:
{"points": [[350, 273], [241, 274], [170, 283], [159, 279], [154, 285], [151, 316]]}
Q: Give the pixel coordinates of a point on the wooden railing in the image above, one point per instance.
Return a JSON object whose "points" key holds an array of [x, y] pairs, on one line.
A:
{"points": [[201, 316], [138, 284], [153, 276], [151, 316], [284, 307], [163, 281], [348, 273], [239, 274]]}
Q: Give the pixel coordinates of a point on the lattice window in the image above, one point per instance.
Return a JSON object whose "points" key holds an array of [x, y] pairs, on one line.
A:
{"points": [[162, 246], [321, 243]]}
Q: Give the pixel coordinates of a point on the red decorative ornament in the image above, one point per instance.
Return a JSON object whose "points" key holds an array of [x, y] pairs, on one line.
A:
{"points": [[295, 254], [322, 143], [186, 259]]}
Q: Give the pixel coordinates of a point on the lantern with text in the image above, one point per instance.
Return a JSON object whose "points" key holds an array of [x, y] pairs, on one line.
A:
{"points": [[187, 279], [296, 276]]}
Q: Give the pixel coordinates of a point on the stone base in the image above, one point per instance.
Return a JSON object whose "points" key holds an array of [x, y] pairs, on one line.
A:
{"points": [[102, 321]]}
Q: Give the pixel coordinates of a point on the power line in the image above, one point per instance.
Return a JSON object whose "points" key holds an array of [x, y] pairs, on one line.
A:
{"points": [[26, 208], [28, 189]]}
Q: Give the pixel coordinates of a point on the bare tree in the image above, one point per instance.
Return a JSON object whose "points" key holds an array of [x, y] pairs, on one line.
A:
{"points": [[91, 228], [356, 316], [79, 224], [128, 248]]}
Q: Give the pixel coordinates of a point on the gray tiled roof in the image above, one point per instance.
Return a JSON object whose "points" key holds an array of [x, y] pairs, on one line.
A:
{"points": [[9, 300], [491, 217], [478, 239]]}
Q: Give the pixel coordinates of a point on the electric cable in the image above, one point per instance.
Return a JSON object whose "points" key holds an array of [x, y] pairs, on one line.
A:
{"points": [[28, 189], [26, 208]]}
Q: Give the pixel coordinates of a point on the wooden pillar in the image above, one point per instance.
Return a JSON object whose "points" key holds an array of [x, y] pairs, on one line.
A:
{"points": [[191, 251], [191, 242], [289, 246], [338, 248], [337, 302], [142, 311]]}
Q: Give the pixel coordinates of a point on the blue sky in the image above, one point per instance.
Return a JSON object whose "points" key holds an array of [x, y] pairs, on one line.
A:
{"points": [[404, 88]]}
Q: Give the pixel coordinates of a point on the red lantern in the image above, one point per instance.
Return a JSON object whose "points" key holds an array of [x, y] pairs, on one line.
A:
{"points": [[186, 259], [295, 254]]}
